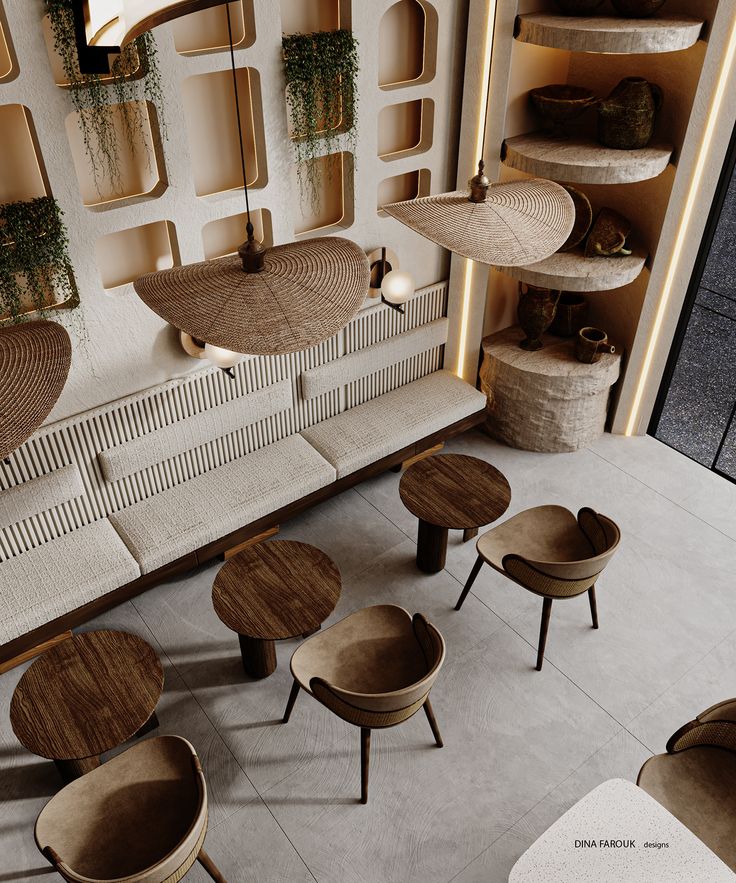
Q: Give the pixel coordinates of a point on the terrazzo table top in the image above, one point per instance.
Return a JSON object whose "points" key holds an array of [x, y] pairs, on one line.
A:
{"points": [[611, 836]]}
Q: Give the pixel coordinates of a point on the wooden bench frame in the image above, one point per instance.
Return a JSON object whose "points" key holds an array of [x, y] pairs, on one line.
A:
{"points": [[26, 643]]}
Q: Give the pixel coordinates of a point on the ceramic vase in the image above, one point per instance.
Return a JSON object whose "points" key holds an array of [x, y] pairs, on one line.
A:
{"points": [[536, 311], [626, 117], [571, 315]]}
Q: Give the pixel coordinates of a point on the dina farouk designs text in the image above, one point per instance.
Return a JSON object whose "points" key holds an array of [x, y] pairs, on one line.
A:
{"points": [[605, 844]]}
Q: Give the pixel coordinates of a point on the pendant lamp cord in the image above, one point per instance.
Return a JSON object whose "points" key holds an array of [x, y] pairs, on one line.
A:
{"points": [[249, 226]]}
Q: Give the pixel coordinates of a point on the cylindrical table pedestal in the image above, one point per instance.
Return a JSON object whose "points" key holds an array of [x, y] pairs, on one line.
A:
{"points": [[259, 656], [544, 400], [69, 770], [431, 547]]}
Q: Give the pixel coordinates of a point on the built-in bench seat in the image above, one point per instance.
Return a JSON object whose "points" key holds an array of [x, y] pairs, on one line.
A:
{"points": [[377, 428], [188, 516], [55, 578], [202, 512]]}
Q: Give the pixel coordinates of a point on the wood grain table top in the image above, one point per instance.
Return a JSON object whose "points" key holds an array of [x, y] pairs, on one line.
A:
{"points": [[276, 590], [86, 695], [455, 491]]}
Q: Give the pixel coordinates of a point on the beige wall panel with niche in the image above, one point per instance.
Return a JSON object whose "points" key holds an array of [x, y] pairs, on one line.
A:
{"points": [[207, 30]]}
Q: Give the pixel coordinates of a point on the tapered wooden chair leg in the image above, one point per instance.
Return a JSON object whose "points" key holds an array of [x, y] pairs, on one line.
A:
{"points": [[471, 579], [210, 867], [546, 611], [292, 699], [593, 606], [433, 723], [365, 754]]}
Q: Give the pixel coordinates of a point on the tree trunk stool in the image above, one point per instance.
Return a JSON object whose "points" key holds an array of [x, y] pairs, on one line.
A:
{"points": [[544, 400]]}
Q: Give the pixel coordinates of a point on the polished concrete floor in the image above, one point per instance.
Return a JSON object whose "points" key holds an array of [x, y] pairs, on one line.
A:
{"points": [[520, 746]]}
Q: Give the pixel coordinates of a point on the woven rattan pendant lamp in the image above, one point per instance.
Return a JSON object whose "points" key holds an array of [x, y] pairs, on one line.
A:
{"points": [[262, 301], [34, 364], [499, 224]]}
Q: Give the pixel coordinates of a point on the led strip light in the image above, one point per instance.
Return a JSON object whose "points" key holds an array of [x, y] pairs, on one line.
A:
{"points": [[482, 112], [697, 178]]}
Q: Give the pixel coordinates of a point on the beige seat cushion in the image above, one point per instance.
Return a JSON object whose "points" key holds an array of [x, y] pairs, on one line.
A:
{"points": [[399, 418], [63, 574], [544, 533], [373, 650], [698, 786], [203, 509], [139, 815]]}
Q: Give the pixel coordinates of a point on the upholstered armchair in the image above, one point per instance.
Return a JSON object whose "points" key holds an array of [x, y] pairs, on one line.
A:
{"points": [[551, 553], [374, 669], [141, 817], [696, 779]]}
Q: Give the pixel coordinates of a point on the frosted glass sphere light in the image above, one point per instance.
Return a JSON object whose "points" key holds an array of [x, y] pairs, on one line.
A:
{"points": [[397, 286], [221, 357]]}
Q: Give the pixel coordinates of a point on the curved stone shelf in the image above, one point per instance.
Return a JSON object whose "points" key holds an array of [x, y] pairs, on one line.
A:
{"points": [[572, 271], [583, 160], [624, 36]]}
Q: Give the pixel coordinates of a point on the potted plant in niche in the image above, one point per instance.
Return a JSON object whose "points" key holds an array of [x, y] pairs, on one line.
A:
{"points": [[134, 78], [35, 271], [321, 94]]}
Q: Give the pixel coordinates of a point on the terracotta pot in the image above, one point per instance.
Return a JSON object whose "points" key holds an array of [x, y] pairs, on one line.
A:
{"points": [[583, 218], [638, 8], [608, 235], [571, 315], [626, 117], [578, 7], [590, 345], [560, 103], [536, 311]]}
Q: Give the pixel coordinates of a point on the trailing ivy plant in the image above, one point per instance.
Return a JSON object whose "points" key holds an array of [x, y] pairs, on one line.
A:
{"points": [[34, 259], [322, 97], [93, 98]]}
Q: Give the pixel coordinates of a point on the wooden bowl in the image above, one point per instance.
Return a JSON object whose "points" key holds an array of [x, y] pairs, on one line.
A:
{"points": [[560, 103]]}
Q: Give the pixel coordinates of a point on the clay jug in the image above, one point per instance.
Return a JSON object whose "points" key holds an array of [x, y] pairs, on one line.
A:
{"points": [[590, 345], [536, 311], [626, 117]]}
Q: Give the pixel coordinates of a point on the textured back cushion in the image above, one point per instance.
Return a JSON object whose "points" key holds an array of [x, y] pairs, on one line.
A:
{"points": [[191, 432], [39, 494], [370, 359]]}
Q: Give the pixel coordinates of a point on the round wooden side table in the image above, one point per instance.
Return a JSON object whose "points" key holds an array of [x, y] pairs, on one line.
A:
{"points": [[451, 492], [85, 696], [273, 591]]}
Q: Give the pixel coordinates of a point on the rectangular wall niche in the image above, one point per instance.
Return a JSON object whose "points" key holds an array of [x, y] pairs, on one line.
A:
{"points": [[206, 30], [56, 64], [307, 16], [22, 176], [405, 129], [335, 208], [407, 44], [139, 161], [410, 185], [209, 114], [124, 256], [8, 66], [225, 235]]}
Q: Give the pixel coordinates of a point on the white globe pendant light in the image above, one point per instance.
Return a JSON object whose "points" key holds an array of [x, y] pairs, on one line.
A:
{"points": [[221, 357]]}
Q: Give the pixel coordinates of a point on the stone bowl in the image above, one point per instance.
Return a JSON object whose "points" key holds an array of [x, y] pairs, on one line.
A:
{"points": [[560, 103]]}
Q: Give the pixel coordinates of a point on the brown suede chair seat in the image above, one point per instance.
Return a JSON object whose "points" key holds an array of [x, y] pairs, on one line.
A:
{"points": [[374, 669], [142, 817], [696, 779], [551, 553]]}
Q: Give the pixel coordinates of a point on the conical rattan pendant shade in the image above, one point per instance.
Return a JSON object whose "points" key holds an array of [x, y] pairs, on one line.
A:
{"points": [[306, 292], [34, 364], [517, 223]]}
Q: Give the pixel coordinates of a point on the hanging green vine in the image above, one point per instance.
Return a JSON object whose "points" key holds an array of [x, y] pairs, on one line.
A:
{"points": [[93, 98], [35, 270], [322, 96]]}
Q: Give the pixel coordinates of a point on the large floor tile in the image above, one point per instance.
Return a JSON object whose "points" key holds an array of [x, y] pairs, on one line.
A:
{"points": [[711, 680], [620, 758], [510, 737]]}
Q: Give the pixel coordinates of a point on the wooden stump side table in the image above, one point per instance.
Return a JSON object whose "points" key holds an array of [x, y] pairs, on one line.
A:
{"points": [[85, 696], [273, 591], [544, 400], [451, 492]]}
